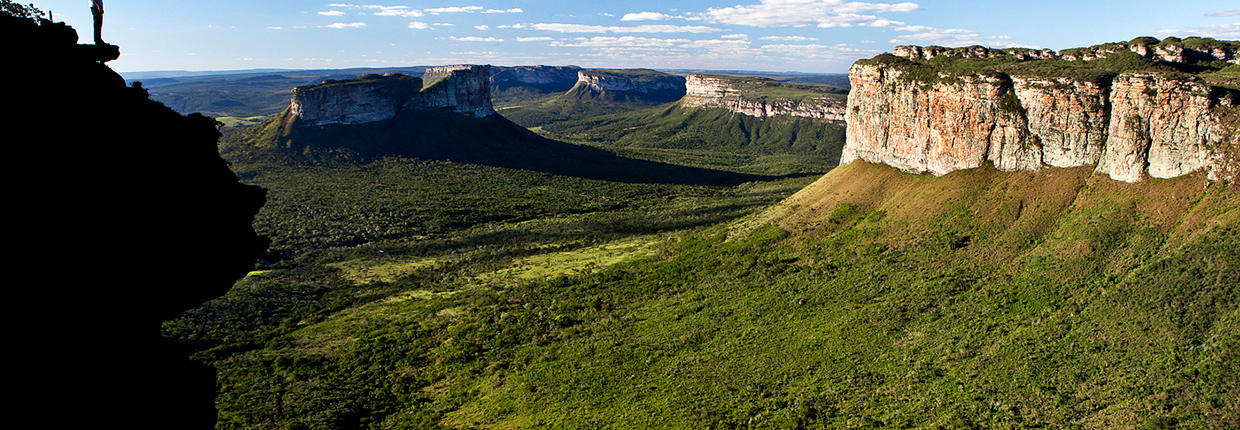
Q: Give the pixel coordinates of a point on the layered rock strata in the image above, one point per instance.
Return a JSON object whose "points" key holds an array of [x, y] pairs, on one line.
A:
{"points": [[703, 91], [646, 82], [1171, 50], [1140, 124], [463, 88], [548, 78], [373, 98]]}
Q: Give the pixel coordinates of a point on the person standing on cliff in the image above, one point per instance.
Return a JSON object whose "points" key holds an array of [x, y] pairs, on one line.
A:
{"points": [[96, 9]]}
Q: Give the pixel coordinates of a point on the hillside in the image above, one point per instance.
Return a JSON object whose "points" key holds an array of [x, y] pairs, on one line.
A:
{"points": [[412, 292], [977, 299]]}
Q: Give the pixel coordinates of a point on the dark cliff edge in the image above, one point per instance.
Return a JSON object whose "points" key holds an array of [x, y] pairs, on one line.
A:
{"points": [[118, 214]]}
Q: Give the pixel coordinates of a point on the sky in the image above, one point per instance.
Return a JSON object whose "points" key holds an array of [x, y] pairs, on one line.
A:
{"points": [[813, 36]]}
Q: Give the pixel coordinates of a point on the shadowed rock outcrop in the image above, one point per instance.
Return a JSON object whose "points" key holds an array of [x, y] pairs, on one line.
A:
{"points": [[550, 79], [118, 215]]}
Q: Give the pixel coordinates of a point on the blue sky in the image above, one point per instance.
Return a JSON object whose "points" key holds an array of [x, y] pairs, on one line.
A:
{"points": [[823, 36]]}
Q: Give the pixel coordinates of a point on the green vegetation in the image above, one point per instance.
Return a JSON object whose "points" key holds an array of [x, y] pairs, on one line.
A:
{"points": [[21, 11], [712, 138], [979, 299], [753, 88], [636, 75], [1117, 59], [404, 292]]}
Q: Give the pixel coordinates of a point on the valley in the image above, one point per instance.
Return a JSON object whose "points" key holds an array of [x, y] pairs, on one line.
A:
{"points": [[631, 248]]}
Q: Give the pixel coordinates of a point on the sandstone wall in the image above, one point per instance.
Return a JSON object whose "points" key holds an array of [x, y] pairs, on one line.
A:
{"points": [[714, 92], [372, 98], [352, 102], [603, 81], [552, 78], [1141, 124], [465, 89]]}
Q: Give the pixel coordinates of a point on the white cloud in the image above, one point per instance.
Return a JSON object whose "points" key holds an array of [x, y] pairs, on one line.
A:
{"points": [[950, 37], [820, 52], [581, 28], [622, 43], [443, 24], [718, 44], [606, 14], [346, 25], [1231, 12], [403, 11], [419, 25], [645, 16], [275, 28], [735, 36], [513, 10], [1221, 31], [406, 13], [453, 9], [482, 27], [476, 39], [535, 39], [801, 13], [331, 13], [790, 38]]}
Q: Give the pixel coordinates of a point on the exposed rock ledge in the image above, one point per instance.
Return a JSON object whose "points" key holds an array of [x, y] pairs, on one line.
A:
{"points": [[372, 98], [705, 91], [1140, 124]]}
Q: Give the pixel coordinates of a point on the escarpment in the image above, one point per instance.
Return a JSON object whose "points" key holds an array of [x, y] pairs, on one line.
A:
{"points": [[542, 78], [1028, 113], [374, 98], [630, 84], [760, 97]]}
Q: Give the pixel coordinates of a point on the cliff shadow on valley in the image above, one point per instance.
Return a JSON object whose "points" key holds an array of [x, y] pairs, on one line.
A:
{"points": [[442, 134]]}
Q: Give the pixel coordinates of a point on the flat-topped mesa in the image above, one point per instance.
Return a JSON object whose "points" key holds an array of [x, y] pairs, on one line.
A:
{"points": [[546, 78], [366, 99], [760, 97], [373, 98], [636, 80], [464, 88], [1131, 123]]}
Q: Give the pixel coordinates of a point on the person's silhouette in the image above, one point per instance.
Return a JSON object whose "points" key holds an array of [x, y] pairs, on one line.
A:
{"points": [[96, 9]]}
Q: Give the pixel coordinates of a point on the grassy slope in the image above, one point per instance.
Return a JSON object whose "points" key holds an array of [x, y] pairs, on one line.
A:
{"points": [[977, 299], [713, 138]]}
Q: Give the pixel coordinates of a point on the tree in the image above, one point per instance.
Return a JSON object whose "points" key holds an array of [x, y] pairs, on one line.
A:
{"points": [[22, 11]]}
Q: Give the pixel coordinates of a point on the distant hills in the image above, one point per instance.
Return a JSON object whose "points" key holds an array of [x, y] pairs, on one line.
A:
{"points": [[235, 95]]}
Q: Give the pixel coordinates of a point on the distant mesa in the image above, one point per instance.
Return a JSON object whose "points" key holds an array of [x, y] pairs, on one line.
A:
{"points": [[1139, 109], [373, 98], [761, 97], [629, 85], [541, 79]]}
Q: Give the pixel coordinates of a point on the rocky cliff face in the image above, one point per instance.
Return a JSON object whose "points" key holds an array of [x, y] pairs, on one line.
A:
{"points": [[703, 91], [465, 89], [602, 80], [368, 99], [373, 98], [548, 78], [1139, 124], [1165, 127]]}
